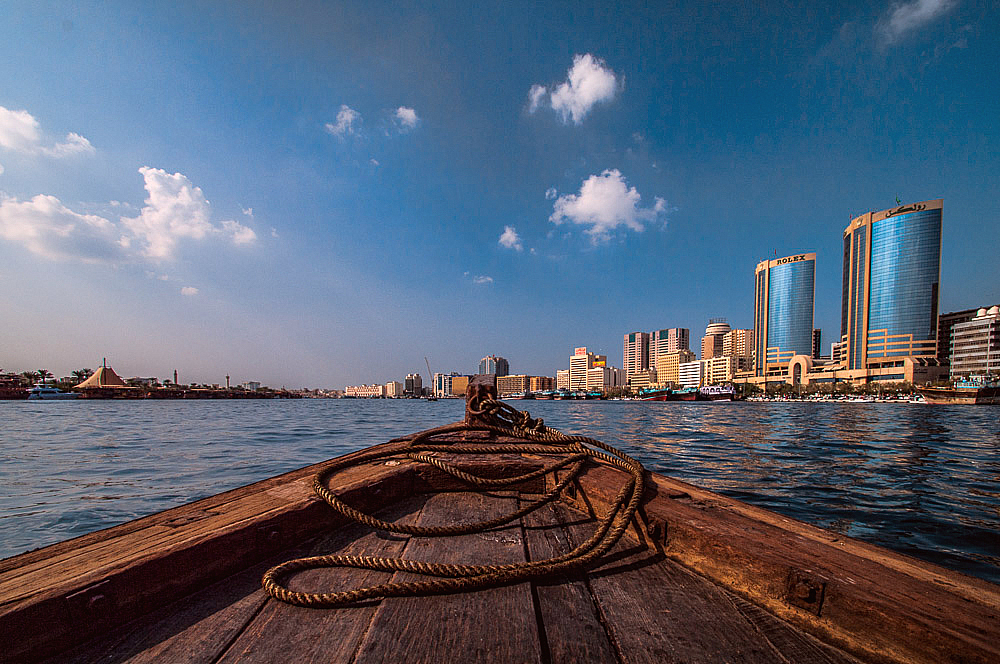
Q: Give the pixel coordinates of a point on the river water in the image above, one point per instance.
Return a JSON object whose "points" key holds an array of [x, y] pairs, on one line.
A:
{"points": [[923, 480]]}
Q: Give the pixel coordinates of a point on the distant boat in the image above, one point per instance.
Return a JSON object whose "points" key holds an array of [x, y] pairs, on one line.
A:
{"points": [[46, 393], [972, 390], [667, 394], [716, 393]]}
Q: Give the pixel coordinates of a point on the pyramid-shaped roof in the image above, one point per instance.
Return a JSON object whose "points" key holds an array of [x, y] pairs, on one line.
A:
{"points": [[103, 377]]}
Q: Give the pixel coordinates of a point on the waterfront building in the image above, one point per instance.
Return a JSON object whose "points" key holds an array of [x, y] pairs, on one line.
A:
{"points": [[494, 364], [541, 383], [393, 389], [891, 272], [441, 384], [725, 368], [603, 378], [946, 322], [738, 343], [513, 384], [635, 352], [711, 343], [413, 385], [562, 379], [691, 374], [975, 345], [668, 366], [365, 391], [641, 379], [459, 385], [817, 349], [783, 311], [580, 363]]}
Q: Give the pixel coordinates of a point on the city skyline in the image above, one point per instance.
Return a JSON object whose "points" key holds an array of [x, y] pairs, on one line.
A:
{"points": [[326, 195]]}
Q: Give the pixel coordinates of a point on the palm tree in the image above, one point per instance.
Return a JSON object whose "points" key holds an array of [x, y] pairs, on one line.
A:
{"points": [[30, 376], [82, 374], [43, 374]]}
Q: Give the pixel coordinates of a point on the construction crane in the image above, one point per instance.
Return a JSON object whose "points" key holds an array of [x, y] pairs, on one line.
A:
{"points": [[430, 375]]}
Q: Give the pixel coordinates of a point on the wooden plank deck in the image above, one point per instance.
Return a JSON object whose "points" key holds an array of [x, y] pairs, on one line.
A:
{"points": [[639, 607]]}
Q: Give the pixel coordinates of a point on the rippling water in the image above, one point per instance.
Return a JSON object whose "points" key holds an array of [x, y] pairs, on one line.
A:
{"points": [[923, 480]]}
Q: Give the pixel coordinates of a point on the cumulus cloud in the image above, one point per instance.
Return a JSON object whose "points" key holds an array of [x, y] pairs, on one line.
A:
{"points": [[189, 291], [174, 210], [46, 227], [407, 117], [510, 239], [550, 193], [604, 203], [247, 211], [588, 82], [19, 132], [906, 17], [482, 279], [345, 125]]}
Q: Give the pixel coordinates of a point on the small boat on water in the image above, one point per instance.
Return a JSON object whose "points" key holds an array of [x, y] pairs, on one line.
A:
{"points": [[716, 393], [668, 394], [494, 539], [42, 392], [971, 390]]}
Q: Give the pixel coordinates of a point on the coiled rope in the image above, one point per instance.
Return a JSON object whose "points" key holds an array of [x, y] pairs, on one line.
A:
{"points": [[502, 419]]}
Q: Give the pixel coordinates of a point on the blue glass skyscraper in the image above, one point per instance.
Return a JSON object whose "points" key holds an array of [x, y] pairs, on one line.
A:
{"points": [[892, 268], [783, 311]]}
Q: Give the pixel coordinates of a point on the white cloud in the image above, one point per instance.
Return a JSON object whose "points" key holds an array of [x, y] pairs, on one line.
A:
{"points": [[905, 17], [407, 117], [49, 229], [247, 211], [19, 132], [274, 232], [535, 97], [604, 203], [482, 279], [190, 291], [239, 233], [345, 124], [1, 169], [373, 161], [550, 193], [175, 209], [510, 239], [587, 83]]}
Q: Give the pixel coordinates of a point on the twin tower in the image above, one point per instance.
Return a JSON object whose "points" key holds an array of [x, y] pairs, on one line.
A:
{"points": [[889, 305]]}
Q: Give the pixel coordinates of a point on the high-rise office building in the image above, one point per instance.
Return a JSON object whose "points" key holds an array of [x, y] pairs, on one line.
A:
{"points": [[635, 352], [413, 385], [715, 332], [493, 364], [892, 267], [668, 366], [580, 363], [946, 323], [669, 340], [783, 310]]}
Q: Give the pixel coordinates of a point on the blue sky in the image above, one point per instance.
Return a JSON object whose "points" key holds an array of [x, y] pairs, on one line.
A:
{"points": [[325, 193]]}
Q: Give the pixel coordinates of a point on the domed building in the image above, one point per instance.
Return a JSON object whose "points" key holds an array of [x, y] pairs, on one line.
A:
{"points": [[711, 343]]}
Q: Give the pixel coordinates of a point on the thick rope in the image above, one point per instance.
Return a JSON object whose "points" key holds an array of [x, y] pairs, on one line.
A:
{"points": [[498, 418]]}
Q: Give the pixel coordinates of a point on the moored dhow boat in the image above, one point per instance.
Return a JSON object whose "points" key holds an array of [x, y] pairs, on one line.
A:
{"points": [[971, 390], [494, 539]]}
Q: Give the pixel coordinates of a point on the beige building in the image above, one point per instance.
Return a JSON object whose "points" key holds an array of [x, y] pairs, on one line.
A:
{"points": [[738, 343], [635, 352], [393, 389], [711, 343], [692, 374], [365, 391], [725, 368], [459, 385], [541, 383], [562, 379], [668, 365], [975, 345], [604, 378], [641, 379], [580, 363]]}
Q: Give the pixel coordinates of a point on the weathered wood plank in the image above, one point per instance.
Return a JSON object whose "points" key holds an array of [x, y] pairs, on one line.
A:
{"points": [[570, 621], [78, 598], [496, 625], [657, 611], [282, 632], [871, 602]]}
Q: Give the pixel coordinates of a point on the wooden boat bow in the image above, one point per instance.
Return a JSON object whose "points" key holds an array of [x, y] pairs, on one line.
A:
{"points": [[692, 576]]}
